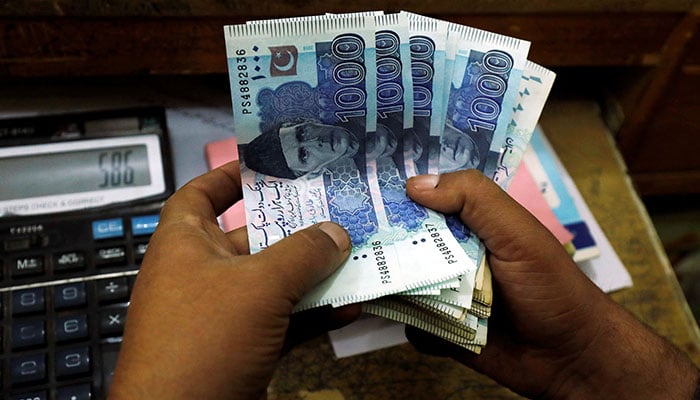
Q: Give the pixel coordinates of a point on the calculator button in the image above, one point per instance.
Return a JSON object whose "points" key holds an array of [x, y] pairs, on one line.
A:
{"points": [[74, 361], [28, 368], [71, 327], [112, 321], [110, 353], [107, 228], [30, 396], [111, 290], [69, 295], [75, 392], [144, 225], [28, 301], [111, 256], [28, 333], [20, 243], [140, 251], [69, 261], [25, 266], [17, 243]]}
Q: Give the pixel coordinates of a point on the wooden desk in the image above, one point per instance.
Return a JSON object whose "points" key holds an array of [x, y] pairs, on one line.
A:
{"points": [[586, 148]]}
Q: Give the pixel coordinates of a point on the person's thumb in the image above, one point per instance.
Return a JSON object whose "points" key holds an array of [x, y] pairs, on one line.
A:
{"points": [[537, 279], [300, 261], [506, 228]]}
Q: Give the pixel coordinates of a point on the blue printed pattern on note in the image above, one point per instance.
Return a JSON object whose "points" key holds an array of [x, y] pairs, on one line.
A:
{"points": [[428, 44], [348, 202], [390, 87], [458, 229], [342, 98], [346, 187], [291, 101], [423, 72], [394, 120], [400, 210], [473, 109], [340, 67]]}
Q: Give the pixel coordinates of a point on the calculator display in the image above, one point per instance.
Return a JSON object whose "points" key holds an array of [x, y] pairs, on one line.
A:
{"points": [[74, 172], [55, 177]]}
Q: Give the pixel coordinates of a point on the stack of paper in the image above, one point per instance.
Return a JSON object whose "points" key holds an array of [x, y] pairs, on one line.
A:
{"points": [[539, 162], [333, 113], [590, 247]]}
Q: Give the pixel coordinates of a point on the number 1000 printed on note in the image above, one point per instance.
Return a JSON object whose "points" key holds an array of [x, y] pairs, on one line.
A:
{"points": [[304, 98]]}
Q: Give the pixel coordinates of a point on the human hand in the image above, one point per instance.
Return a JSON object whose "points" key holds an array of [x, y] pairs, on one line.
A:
{"points": [[552, 333], [207, 320]]}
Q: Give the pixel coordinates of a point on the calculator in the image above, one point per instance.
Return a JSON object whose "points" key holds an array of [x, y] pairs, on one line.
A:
{"points": [[80, 196]]}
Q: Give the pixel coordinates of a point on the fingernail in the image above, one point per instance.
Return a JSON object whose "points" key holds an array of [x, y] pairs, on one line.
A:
{"points": [[425, 182], [337, 233]]}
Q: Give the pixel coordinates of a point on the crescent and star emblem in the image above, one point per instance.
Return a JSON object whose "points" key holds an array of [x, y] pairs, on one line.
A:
{"points": [[280, 65], [289, 65]]}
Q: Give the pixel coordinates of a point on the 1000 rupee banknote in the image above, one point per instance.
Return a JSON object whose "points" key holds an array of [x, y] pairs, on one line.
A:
{"points": [[304, 100], [292, 119], [481, 93], [395, 118], [533, 90], [485, 70], [535, 85], [484, 82], [428, 38], [395, 113]]}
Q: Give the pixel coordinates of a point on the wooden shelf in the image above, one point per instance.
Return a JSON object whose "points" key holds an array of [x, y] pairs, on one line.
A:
{"points": [[659, 114], [102, 46]]}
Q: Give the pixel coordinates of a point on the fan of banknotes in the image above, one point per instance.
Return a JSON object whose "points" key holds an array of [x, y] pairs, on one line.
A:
{"points": [[333, 113]]}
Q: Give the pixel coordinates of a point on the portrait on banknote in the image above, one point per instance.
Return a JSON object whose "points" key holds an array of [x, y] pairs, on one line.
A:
{"points": [[301, 147], [458, 150], [307, 147]]}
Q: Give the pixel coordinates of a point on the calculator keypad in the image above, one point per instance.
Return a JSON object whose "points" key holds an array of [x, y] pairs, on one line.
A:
{"points": [[64, 297]]}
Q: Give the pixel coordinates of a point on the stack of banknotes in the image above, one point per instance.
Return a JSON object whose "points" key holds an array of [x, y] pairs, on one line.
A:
{"points": [[333, 113]]}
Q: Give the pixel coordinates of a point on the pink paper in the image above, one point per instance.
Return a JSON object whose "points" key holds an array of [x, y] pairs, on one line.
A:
{"points": [[526, 192], [219, 153]]}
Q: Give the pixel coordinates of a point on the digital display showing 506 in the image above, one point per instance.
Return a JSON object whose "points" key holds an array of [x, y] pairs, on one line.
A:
{"points": [[74, 172]]}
